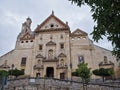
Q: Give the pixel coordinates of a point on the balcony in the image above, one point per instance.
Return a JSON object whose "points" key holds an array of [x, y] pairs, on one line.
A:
{"points": [[61, 66], [38, 66], [50, 60]]}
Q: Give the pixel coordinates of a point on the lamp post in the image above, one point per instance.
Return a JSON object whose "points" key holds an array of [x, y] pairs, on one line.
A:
{"points": [[4, 79], [12, 66], [71, 70], [44, 83]]}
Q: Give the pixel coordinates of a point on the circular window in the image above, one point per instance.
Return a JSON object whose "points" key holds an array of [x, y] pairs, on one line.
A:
{"points": [[56, 25], [52, 25], [22, 41], [26, 41], [31, 41]]}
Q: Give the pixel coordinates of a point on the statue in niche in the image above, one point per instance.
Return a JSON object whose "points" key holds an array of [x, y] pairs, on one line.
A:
{"points": [[61, 62], [38, 62], [26, 25], [50, 54]]}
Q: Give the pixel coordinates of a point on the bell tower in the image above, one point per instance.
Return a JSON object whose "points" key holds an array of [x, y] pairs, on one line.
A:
{"points": [[26, 36]]}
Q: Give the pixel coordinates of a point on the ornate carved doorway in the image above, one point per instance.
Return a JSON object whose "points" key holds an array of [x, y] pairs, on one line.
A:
{"points": [[50, 72]]}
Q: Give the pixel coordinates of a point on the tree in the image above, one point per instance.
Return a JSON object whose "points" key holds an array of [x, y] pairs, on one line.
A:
{"points": [[106, 13], [16, 72], [103, 72], [84, 72], [3, 78], [4, 73]]}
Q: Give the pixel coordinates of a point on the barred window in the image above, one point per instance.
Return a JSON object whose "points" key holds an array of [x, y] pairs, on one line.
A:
{"points": [[23, 61], [40, 47], [61, 46]]}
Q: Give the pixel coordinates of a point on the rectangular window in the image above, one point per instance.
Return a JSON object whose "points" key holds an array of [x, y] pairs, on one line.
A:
{"points": [[23, 61], [61, 46], [80, 59], [40, 47]]}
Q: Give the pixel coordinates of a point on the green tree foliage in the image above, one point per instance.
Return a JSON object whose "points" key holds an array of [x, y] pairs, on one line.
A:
{"points": [[83, 71], [103, 72], [4, 73], [106, 13], [16, 72]]}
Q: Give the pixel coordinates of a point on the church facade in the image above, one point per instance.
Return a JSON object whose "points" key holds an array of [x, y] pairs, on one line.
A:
{"points": [[52, 50]]}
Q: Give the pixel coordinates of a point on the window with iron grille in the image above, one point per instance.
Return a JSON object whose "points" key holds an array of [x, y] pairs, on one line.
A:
{"points": [[40, 47], [23, 61]]}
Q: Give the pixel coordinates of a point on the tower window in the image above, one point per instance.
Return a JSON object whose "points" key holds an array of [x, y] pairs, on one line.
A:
{"points": [[31, 41], [22, 41], [23, 61], [52, 25], [56, 25], [26, 41], [40, 47]]}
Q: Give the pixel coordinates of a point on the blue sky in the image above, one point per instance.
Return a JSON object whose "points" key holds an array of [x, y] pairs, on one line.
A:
{"points": [[14, 12]]}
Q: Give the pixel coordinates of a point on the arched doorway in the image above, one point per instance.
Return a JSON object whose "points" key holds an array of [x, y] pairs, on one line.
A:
{"points": [[50, 72]]}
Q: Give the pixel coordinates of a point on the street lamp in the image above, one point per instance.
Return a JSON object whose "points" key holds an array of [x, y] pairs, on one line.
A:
{"points": [[12, 66], [71, 70]]}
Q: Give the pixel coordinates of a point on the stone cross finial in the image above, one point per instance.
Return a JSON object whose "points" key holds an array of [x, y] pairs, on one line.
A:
{"points": [[66, 23], [52, 12]]}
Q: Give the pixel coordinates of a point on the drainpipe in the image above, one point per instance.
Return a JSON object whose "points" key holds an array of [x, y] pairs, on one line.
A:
{"points": [[70, 53]]}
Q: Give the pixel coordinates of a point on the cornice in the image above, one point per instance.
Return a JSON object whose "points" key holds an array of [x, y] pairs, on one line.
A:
{"points": [[52, 30]]}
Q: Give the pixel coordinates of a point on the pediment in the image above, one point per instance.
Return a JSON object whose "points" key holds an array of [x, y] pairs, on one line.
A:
{"points": [[39, 56], [4, 66], [27, 36], [52, 22], [103, 63], [79, 32], [61, 55], [51, 43]]}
